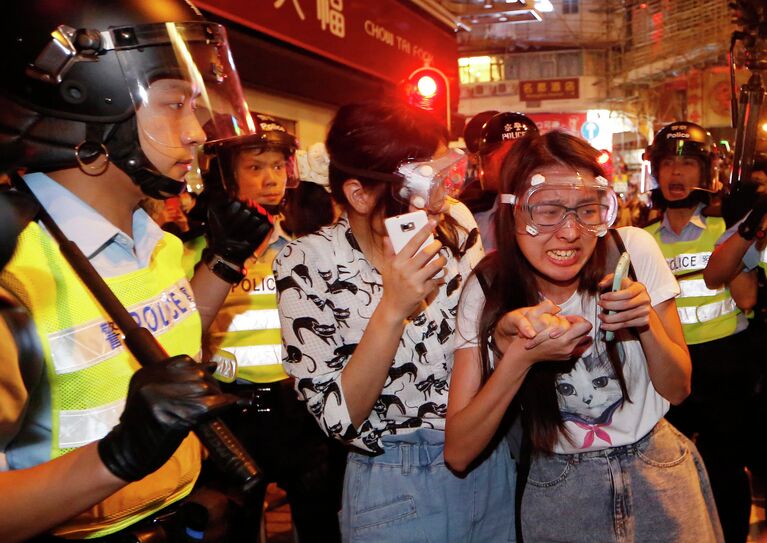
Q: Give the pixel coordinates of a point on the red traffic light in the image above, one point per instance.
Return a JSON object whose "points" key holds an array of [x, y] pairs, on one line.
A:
{"points": [[605, 159], [428, 88]]}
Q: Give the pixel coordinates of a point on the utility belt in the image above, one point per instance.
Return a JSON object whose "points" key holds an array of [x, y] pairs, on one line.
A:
{"points": [[199, 517]]}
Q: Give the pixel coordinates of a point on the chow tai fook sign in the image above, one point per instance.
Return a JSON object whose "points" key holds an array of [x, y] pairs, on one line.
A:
{"points": [[548, 89], [380, 37]]}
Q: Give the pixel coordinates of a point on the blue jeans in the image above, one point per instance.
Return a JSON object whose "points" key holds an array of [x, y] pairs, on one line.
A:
{"points": [[654, 490], [408, 494]]}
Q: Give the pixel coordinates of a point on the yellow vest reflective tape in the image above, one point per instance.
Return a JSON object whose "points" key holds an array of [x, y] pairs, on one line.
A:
{"points": [[87, 344], [83, 426], [696, 287], [255, 319], [257, 355], [706, 312], [688, 262]]}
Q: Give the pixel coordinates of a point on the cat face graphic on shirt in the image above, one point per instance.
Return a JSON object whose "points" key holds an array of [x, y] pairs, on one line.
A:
{"points": [[590, 393]]}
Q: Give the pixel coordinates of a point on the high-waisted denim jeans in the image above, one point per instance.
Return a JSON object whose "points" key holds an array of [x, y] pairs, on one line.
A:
{"points": [[654, 490], [408, 495]]}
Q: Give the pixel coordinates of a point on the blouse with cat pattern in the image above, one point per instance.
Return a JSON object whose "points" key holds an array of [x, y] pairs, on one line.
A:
{"points": [[327, 292], [595, 412]]}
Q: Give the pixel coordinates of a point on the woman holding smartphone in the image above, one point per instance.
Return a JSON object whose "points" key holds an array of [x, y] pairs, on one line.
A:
{"points": [[368, 334], [592, 408]]}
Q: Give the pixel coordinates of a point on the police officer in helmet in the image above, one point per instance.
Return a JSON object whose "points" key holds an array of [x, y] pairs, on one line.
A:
{"points": [[103, 103], [724, 354], [496, 137], [275, 426]]}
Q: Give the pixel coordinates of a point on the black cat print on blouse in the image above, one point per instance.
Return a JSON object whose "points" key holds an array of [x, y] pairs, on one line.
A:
{"points": [[327, 292]]}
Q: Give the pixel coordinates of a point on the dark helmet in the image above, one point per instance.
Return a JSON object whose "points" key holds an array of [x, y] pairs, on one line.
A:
{"points": [[506, 126], [473, 128], [221, 154], [76, 72], [686, 139]]}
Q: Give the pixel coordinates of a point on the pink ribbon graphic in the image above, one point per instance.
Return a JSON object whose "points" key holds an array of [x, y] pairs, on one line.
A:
{"points": [[593, 430]]}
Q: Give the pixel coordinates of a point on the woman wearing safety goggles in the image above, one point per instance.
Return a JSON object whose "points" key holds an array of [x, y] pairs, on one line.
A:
{"points": [[594, 370], [369, 332]]}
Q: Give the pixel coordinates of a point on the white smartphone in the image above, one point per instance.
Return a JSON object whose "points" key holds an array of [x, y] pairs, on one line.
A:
{"points": [[621, 271], [401, 229]]}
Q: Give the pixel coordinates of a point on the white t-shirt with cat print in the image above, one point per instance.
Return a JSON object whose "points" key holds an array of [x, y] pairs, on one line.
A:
{"points": [[595, 412]]}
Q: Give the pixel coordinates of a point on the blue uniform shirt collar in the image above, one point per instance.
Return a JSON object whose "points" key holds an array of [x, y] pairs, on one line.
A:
{"points": [[87, 227], [697, 219]]}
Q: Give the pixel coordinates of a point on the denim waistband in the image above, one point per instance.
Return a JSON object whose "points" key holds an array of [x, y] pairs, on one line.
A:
{"points": [[424, 447], [622, 450]]}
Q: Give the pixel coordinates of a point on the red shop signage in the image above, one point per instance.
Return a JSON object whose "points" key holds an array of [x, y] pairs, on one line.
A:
{"points": [[571, 122], [381, 37], [548, 89]]}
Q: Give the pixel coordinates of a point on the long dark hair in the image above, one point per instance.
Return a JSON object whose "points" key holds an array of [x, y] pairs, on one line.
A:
{"points": [[511, 279], [377, 137]]}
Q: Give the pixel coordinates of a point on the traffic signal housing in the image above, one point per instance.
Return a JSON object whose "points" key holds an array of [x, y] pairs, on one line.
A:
{"points": [[428, 88]]}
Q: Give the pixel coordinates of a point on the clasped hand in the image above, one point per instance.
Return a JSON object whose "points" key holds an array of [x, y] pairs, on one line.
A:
{"points": [[540, 333]]}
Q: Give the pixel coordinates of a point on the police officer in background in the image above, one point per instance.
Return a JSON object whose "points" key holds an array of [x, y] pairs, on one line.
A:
{"points": [[496, 137], [276, 428], [102, 102], [718, 412]]}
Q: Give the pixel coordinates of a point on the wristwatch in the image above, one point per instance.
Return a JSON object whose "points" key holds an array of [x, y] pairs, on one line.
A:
{"points": [[229, 272]]}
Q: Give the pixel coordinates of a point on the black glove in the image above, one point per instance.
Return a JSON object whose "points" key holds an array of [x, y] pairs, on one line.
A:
{"points": [[165, 401], [235, 231], [752, 227]]}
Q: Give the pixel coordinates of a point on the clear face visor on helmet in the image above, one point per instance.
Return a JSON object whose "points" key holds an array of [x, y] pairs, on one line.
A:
{"points": [[552, 199], [181, 78], [426, 184]]}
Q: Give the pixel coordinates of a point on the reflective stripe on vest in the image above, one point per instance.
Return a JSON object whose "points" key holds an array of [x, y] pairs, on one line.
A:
{"points": [[88, 369], [256, 355], [688, 262], [706, 314], [80, 427], [255, 319], [88, 344], [696, 287]]}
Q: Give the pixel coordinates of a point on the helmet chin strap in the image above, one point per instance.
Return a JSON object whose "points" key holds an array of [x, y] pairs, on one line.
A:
{"points": [[125, 152]]}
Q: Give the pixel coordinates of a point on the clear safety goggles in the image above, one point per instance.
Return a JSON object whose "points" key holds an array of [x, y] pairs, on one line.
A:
{"points": [[426, 184], [423, 184], [182, 81], [552, 199]]}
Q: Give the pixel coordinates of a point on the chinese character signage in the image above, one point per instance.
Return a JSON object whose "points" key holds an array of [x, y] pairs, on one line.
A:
{"points": [[548, 89], [569, 122], [382, 37]]}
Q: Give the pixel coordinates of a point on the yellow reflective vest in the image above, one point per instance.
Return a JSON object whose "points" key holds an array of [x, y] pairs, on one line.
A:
{"points": [[88, 367], [248, 324], [706, 314]]}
